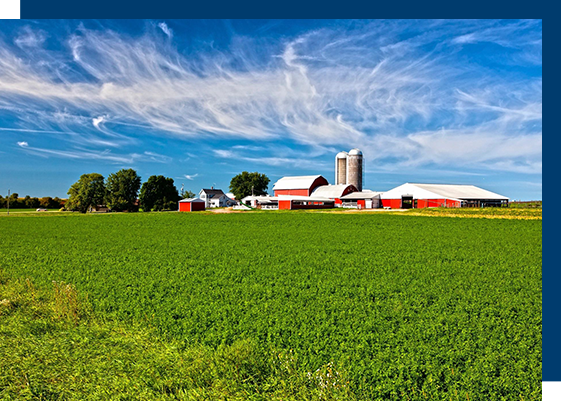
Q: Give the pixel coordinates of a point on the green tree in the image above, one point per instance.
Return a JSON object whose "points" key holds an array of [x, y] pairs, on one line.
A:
{"points": [[50, 203], [188, 194], [2, 202], [15, 202], [88, 191], [158, 193], [32, 203], [241, 185], [122, 189]]}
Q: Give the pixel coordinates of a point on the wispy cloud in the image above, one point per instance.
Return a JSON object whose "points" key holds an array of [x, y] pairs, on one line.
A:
{"points": [[190, 176], [165, 29], [88, 154], [29, 38], [386, 86]]}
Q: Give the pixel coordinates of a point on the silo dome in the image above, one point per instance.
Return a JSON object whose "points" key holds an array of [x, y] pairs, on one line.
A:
{"points": [[341, 155], [354, 152]]}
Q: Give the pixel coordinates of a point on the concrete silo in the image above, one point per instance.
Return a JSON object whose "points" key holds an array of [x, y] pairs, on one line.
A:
{"points": [[354, 168], [341, 168]]}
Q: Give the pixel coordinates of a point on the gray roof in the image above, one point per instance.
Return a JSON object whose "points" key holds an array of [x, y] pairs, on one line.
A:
{"points": [[211, 193]]}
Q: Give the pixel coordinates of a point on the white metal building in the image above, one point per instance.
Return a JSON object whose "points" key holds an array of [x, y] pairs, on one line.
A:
{"points": [[440, 195]]}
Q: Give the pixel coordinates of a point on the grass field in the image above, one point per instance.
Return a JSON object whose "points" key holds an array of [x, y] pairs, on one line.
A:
{"points": [[265, 306]]}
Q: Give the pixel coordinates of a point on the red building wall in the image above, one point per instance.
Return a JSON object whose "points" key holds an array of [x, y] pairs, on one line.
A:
{"points": [[301, 192], [422, 203], [191, 206], [285, 204]]}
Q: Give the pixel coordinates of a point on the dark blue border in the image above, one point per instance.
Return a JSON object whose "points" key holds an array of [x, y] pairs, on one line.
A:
{"points": [[39, 9]]}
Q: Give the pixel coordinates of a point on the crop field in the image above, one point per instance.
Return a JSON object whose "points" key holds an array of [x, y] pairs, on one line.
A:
{"points": [[270, 305]]}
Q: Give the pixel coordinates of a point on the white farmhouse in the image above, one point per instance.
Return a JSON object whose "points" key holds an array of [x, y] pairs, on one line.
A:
{"points": [[216, 198]]}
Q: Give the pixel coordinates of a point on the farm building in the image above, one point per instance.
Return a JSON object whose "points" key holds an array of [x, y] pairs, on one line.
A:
{"points": [[299, 185], [261, 202], [292, 202], [362, 200], [216, 198], [191, 205], [409, 196]]}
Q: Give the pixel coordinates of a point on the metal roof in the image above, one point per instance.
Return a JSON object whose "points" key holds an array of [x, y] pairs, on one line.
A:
{"points": [[331, 191], [437, 191], [190, 200], [298, 182], [362, 195]]}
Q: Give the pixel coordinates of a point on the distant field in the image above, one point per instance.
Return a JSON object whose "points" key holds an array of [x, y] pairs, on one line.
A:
{"points": [[296, 305]]}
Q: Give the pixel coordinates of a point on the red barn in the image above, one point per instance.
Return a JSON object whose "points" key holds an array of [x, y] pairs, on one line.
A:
{"points": [[302, 185], [191, 205]]}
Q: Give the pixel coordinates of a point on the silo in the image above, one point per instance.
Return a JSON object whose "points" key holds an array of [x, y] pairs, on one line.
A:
{"points": [[341, 168], [354, 168]]}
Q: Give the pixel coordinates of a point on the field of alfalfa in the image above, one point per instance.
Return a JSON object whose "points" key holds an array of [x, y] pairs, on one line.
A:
{"points": [[265, 306]]}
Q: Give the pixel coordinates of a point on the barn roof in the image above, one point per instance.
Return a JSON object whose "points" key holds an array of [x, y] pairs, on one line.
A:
{"points": [[362, 195], [332, 191], [297, 182], [436, 191]]}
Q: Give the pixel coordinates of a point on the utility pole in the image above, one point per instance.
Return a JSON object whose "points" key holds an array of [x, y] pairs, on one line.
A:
{"points": [[252, 191], [8, 202]]}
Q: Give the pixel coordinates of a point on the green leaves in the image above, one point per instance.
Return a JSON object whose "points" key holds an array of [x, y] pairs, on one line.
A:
{"points": [[244, 184], [158, 193], [89, 191], [122, 190]]}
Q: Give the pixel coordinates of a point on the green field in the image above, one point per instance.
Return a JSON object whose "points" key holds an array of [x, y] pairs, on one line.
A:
{"points": [[271, 305]]}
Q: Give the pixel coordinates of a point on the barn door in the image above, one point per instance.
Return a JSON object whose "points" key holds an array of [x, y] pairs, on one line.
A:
{"points": [[406, 202]]}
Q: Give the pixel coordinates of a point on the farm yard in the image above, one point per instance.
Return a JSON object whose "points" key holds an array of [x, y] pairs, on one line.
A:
{"points": [[271, 305]]}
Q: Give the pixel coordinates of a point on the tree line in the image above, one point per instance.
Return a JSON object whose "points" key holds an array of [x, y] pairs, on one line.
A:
{"points": [[30, 203], [122, 191]]}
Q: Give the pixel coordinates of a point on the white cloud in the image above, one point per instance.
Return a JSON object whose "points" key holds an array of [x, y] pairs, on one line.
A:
{"points": [[98, 120], [29, 38], [167, 30], [23, 144], [191, 176]]}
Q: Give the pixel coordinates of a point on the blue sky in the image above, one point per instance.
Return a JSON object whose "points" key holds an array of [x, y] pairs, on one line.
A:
{"points": [[446, 101]]}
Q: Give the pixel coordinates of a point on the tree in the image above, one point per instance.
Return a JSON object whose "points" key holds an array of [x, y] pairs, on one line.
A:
{"points": [[158, 193], [188, 194], [32, 203], [87, 192], [242, 184], [122, 189]]}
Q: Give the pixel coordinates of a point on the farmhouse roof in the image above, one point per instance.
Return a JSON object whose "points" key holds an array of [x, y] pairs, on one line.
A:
{"points": [[211, 193], [296, 182]]}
